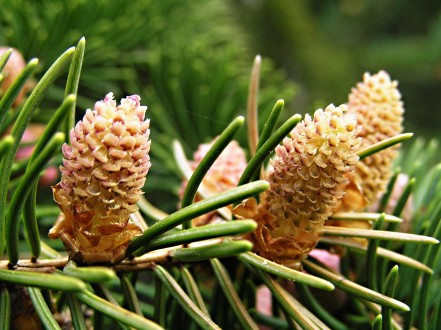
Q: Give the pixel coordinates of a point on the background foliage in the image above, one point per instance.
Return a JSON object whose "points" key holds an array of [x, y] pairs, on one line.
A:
{"points": [[325, 45]]}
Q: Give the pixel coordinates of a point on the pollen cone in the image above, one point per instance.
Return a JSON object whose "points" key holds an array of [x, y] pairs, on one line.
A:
{"points": [[102, 174], [223, 175], [307, 179], [376, 103]]}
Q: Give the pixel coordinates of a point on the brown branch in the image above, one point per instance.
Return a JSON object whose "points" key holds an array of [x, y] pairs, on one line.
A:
{"points": [[146, 261]]}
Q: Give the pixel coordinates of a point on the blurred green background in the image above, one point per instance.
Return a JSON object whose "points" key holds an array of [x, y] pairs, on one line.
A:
{"points": [[326, 45], [190, 60]]}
